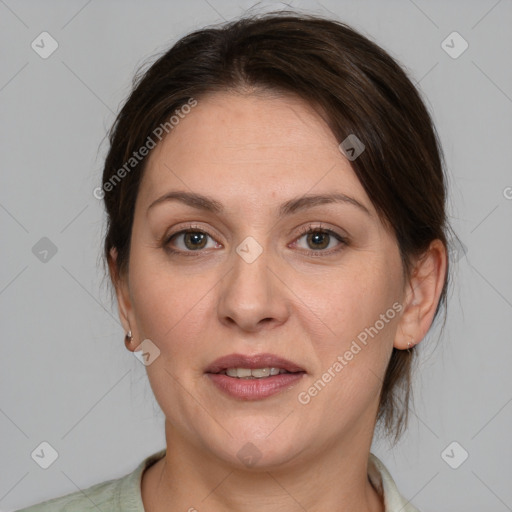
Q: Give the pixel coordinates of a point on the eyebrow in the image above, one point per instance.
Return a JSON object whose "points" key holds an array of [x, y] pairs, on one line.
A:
{"points": [[202, 202]]}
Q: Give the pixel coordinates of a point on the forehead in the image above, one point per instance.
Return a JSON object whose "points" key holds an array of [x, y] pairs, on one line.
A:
{"points": [[250, 147]]}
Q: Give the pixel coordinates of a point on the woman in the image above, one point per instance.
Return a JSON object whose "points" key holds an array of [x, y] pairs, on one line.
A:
{"points": [[277, 242]]}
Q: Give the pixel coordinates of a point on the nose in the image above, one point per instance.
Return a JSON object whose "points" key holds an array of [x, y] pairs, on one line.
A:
{"points": [[252, 296]]}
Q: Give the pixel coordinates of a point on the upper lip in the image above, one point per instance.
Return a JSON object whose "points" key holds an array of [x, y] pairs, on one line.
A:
{"points": [[252, 362]]}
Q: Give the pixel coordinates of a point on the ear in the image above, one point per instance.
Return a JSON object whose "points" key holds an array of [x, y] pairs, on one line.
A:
{"points": [[122, 293], [422, 296]]}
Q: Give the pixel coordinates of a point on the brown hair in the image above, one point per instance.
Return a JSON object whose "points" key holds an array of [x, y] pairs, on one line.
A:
{"points": [[356, 87]]}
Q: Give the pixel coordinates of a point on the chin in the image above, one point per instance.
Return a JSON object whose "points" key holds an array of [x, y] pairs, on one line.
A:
{"points": [[261, 449]]}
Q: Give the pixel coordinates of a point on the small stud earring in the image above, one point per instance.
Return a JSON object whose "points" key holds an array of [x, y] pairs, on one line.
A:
{"points": [[128, 338], [409, 344]]}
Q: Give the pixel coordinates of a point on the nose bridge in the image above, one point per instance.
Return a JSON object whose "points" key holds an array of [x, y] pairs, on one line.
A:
{"points": [[250, 292]]}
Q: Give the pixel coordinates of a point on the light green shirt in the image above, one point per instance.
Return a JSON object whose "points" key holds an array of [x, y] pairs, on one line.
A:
{"points": [[124, 494]]}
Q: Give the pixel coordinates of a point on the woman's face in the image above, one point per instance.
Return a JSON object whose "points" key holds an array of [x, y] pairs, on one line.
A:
{"points": [[247, 281]]}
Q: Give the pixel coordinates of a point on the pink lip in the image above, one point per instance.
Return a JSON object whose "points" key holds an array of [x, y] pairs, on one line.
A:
{"points": [[254, 389]]}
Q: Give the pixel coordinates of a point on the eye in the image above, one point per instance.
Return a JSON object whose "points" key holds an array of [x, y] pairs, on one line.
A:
{"points": [[321, 239], [193, 240], [189, 240]]}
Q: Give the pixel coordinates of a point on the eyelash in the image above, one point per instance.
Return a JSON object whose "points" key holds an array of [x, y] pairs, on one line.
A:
{"points": [[303, 231]]}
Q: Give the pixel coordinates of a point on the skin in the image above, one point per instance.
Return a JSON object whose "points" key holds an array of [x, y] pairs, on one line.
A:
{"points": [[252, 152]]}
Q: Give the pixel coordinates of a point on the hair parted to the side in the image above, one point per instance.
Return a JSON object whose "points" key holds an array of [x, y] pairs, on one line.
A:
{"points": [[353, 84]]}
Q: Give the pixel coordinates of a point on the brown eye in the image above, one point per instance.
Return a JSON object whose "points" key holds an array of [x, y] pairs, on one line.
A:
{"points": [[318, 239], [321, 241], [188, 241], [195, 240]]}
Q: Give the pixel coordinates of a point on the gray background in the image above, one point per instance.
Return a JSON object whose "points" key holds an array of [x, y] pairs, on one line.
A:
{"points": [[65, 375]]}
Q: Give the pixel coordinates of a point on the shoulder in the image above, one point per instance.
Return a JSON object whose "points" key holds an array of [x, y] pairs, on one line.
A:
{"points": [[384, 484], [121, 494], [100, 496]]}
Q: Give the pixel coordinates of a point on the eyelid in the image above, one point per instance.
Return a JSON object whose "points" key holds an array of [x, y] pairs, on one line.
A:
{"points": [[182, 229], [311, 228], [304, 230]]}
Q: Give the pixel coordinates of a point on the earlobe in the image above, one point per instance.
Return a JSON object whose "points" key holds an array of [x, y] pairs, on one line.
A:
{"points": [[423, 294]]}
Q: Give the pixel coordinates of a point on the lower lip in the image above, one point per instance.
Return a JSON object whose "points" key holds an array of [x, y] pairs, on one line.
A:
{"points": [[255, 389]]}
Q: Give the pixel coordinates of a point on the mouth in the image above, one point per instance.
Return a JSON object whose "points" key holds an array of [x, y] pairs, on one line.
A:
{"points": [[254, 377], [256, 366], [256, 373]]}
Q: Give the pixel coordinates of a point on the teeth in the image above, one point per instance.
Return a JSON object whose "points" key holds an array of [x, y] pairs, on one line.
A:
{"points": [[256, 373]]}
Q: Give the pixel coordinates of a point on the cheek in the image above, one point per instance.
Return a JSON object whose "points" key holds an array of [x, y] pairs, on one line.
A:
{"points": [[353, 360], [353, 306], [362, 314], [165, 301]]}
